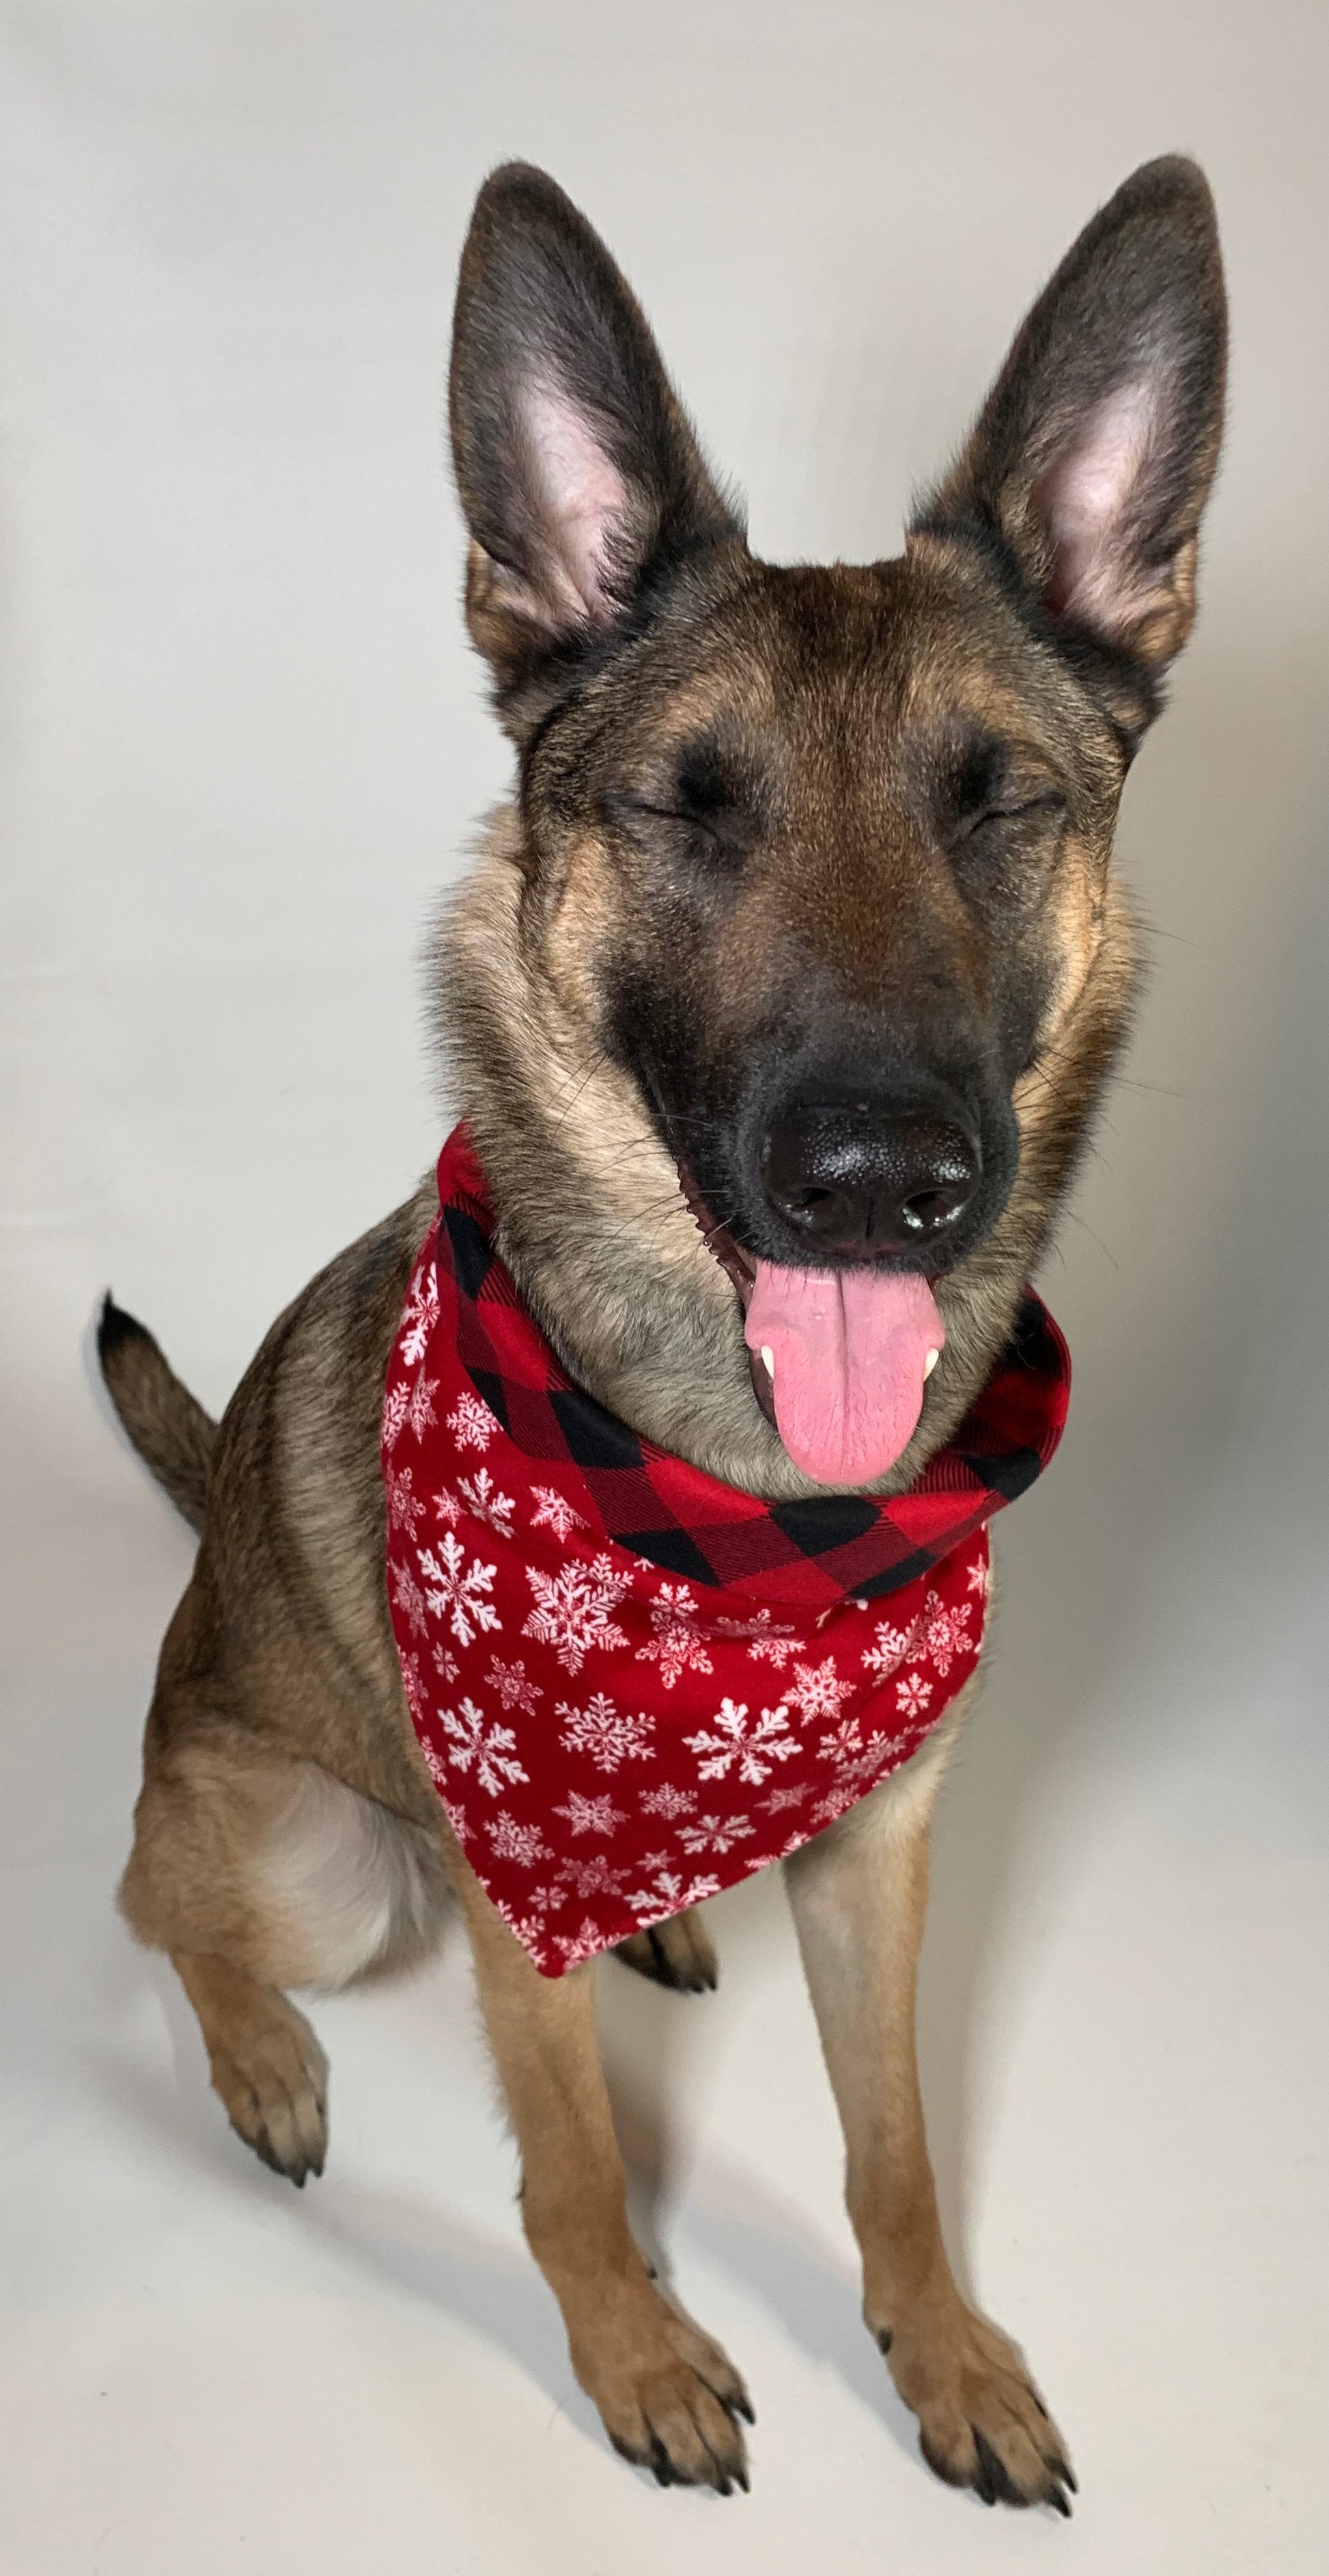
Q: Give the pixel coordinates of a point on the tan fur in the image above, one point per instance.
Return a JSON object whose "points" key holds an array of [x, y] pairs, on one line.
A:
{"points": [[288, 1832]]}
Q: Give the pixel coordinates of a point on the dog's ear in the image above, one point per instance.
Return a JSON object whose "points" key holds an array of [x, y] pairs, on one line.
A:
{"points": [[579, 477], [1094, 453]]}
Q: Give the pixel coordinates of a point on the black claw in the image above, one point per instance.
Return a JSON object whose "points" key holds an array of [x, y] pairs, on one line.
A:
{"points": [[1061, 2502], [1062, 2469], [741, 2480], [661, 2463], [983, 2482], [995, 2470], [741, 2406], [885, 2339]]}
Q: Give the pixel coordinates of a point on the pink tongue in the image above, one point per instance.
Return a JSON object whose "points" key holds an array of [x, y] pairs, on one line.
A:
{"points": [[850, 1349]]}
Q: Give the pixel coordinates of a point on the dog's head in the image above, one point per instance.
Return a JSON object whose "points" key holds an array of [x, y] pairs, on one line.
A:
{"points": [[819, 859]]}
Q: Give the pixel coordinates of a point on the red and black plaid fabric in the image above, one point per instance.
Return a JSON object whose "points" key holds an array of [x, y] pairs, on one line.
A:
{"points": [[807, 1554], [585, 1624]]}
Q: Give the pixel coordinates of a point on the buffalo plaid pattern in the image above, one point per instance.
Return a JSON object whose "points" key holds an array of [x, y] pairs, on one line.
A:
{"points": [[488, 1446]]}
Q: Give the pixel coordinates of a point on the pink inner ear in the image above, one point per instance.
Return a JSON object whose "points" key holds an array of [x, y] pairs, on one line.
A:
{"points": [[1085, 501], [582, 503]]}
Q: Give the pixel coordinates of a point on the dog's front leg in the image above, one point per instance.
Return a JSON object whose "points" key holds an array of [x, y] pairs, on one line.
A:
{"points": [[668, 2395], [859, 1896]]}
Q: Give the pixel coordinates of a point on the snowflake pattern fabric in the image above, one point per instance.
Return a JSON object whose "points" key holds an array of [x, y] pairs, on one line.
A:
{"points": [[632, 1685]]}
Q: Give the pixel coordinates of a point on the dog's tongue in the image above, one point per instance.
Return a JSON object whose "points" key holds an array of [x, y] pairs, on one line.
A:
{"points": [[851, 1350]]}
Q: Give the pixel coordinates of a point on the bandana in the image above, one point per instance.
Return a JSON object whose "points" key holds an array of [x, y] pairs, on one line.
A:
{"points": [[634, 1684]]}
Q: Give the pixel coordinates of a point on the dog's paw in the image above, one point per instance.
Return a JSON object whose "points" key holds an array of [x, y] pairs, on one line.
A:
{"points": [[982, 2423], [676, 1953], [272, 2076], [669, 2398]]}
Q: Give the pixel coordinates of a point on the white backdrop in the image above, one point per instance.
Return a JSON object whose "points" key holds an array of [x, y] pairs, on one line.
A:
{"points": [[242, 743]]}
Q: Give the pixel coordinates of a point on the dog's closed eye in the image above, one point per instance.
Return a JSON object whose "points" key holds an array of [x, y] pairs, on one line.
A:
{"points": [[993, 785], [703, 795]]}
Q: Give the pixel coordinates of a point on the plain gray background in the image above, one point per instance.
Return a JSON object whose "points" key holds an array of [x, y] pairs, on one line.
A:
{"points": [[243, 742]]}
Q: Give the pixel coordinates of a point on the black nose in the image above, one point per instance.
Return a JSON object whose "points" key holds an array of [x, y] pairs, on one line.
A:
{"points": [[858, 1177]]}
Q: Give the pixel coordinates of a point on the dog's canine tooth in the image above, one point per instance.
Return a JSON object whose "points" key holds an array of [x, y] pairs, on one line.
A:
{"points": [[768, 1359], [930, 1362]]}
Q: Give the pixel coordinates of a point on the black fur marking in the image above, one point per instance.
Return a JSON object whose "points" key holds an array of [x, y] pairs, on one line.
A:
{"points": [[115, 1327]]}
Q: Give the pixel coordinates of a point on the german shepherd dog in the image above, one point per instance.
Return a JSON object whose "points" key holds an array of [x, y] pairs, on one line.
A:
{"points": [[802, 913]]}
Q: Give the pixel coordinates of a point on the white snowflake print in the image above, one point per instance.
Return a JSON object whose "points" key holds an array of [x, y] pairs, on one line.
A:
{"points": [[667, 1802], [893, 1647], [396, 1405], [843, 1744], [554, 1512], [409, 1598], [456, 1591], [817, 1691], [509, 1680], [447, 1508], [530, 1930], [756, 1744], [608, 1734], [577, 1946], [670, 1894], [484, 1502], [490, 1747], [413, 1687], [405, 1509], [547, 1900], [860, 1764], [592, 1815], [836, 1802], [573, 1610], [936, 1636], [419, 1315], [867, 1765], [446, 1665], [594, 1877], [420, 1407], [471, 1423], [676, 1645], [913, 1693], [442, 1779], [512, 1841], [945, 1632], [781, 1799], [764, 1860], [769, 1645], [980, 1579], [715, 1833]]}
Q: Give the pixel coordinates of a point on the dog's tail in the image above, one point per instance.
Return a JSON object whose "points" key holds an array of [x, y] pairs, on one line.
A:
{"points": [[168, 1427]]}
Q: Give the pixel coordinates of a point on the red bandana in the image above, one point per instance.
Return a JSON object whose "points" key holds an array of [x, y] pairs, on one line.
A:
{"points": [[632, 1683]]}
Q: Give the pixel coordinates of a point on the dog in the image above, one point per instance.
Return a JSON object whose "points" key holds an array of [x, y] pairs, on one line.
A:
{"points": [[799, 931]]}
